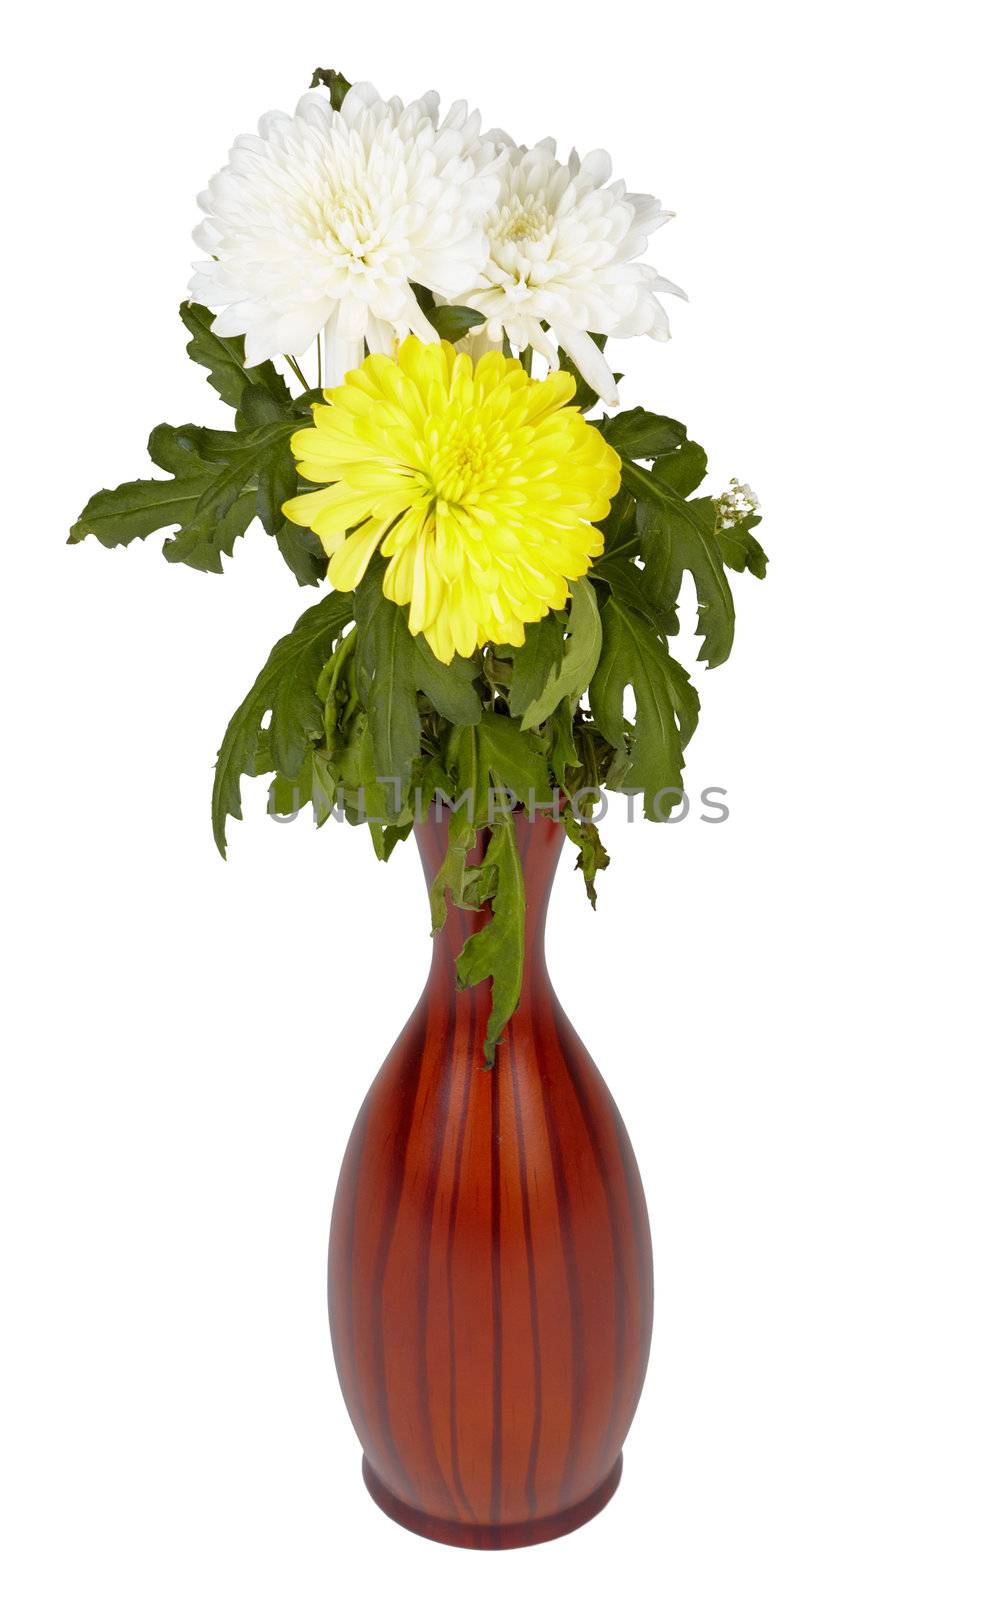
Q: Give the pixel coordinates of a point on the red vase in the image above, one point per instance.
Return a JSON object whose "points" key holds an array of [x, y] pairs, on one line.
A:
{"points": [[490, 1274]]}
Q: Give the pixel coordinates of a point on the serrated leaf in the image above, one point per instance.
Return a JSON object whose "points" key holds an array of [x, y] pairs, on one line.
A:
{"points": [[679, 536], [386, 672], [497, 951], [618, 526], [392, 665], [288, 796], [451, 876], [626, 579], [534, 661], [666, 704], [235, 479], [741, 550], [298, 547], [450, 688], [641, 435], [365, 803], [260, 409], [512, 758], [453, 322], [392, 834], [202, 546], [592, 857], [277, 482], [135, 510], [684, 469], [285, 687], [221, 445], [580, 657], [563, 751], [302, 553], [223, 359], [324, 786]]}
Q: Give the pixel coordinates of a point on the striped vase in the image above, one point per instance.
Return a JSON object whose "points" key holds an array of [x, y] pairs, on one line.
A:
{"points": [[490, 1273]]}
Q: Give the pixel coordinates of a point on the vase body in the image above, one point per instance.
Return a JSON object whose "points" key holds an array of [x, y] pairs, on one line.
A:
{"points": [[490, 1270]]}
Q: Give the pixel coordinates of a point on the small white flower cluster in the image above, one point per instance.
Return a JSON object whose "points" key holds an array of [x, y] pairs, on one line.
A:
{"points": [[738, 502], [323, 221]]}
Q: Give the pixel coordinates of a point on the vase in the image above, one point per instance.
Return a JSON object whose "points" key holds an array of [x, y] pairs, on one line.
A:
{"points": [[490, 1267]]}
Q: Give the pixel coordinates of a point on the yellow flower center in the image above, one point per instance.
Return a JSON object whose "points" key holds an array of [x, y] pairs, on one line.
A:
{"points": [[522, 221], [463, 466], [342, 223]]}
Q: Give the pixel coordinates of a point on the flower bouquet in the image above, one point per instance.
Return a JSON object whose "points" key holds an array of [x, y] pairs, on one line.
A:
{"points": [[410, 319]]}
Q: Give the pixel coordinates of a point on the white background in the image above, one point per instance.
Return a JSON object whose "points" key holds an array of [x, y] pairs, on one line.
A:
{"points": [[787, 1007]]}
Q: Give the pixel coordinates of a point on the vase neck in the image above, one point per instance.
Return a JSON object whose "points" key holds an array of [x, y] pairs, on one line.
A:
{"points": [[540, 841]]}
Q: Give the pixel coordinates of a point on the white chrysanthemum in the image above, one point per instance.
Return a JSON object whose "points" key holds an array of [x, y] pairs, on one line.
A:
{"points": [[563, 244], [322, 220]]}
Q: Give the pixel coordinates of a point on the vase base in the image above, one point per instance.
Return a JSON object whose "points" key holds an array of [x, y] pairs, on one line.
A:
{"points": [[492, 1536]]}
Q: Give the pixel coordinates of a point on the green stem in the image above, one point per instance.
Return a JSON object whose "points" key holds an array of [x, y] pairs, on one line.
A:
{"points": [[298, 372]]}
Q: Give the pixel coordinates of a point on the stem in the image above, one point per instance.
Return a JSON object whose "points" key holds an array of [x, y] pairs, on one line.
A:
{"points": [[298, 372], [525, 357], [319, 361]]}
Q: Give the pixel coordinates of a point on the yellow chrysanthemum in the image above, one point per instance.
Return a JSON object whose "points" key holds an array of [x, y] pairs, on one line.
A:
{"points": [[480, 484]]}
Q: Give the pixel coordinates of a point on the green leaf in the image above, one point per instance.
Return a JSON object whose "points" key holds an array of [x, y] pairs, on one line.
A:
{"points": [[580, 658], [288, 796], [452, 322], [329, 78], [261, 409], [324, 786], [392, 665], [534, 661], [220, 445], [392, 834], [618, 526], [592, 857], [277, 483], [235, 479], [640, 435], [450, 688], [741, 550], [563, 753], [135, 510], [497, 951], [301, 552], [666, 704], [513, 758], [679, 536], [285, 687], [386, 671], [224, 359], [299, 547], [619, 567], [303, 403], [202, 546], [452, 877], [626, 579], [462, 763], [425, 298], [497, 754], [364, 798], [683, 470]]}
